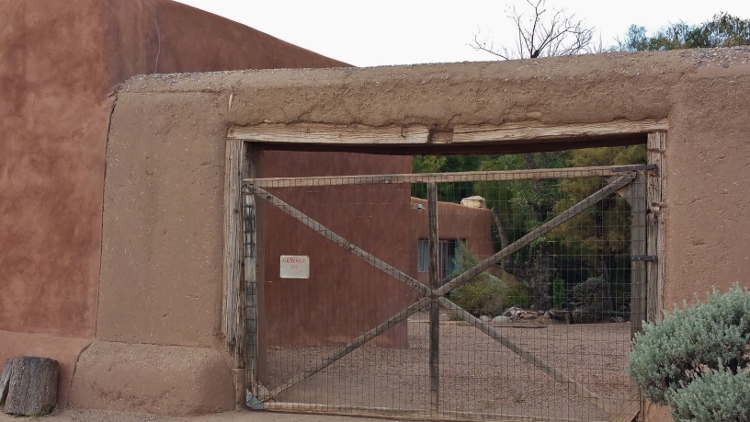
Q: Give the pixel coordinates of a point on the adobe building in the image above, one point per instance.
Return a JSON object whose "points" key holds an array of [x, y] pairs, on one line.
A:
{"points": [[113, 210], [696, 97]]}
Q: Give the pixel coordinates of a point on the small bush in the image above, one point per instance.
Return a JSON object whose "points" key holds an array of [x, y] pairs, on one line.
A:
{"points": [[558, 292], [483, 294], [519, 295], [697, 358]]}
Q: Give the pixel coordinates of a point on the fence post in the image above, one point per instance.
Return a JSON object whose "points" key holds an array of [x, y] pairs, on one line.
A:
{"points": [[434, 242]]}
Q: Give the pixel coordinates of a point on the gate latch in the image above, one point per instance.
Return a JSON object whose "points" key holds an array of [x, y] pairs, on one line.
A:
{"points": [[643, 258]]}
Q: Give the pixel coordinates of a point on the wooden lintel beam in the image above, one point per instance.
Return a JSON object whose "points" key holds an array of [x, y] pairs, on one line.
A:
{"points": [[313, 133], [301, 134], [536, 131]]}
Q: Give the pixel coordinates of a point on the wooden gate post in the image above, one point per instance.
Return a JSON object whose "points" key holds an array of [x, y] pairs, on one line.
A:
{"points": [[655, 269], [636, 196], [234, 286], [434, 242]]}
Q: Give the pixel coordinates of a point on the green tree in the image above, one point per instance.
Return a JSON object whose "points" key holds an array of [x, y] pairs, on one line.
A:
{"points": [[724, 30]]}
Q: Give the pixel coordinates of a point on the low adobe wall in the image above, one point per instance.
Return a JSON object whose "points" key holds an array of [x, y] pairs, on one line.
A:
{"points": [[168, 133]]}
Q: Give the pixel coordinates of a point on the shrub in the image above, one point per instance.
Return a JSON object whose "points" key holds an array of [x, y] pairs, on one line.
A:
{"points": [[697, 358], [519, 295], [558, 292], [483, 294]]}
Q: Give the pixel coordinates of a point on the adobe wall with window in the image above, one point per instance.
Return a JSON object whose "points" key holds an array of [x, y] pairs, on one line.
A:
{"points": [[177, 126], [457, 223], [58, 63]]}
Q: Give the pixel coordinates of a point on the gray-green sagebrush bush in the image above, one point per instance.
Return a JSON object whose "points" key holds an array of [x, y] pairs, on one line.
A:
{"points": [[696, 360]]}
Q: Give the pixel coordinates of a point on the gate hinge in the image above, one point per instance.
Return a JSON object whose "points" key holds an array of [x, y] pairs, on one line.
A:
{"points": [[643, 258]]}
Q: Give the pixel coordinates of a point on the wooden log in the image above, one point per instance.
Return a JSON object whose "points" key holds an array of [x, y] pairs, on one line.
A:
{"points": [[335, 238], [5, 379], [572, 385], [466, 176], [32, 386], [536, 233]]}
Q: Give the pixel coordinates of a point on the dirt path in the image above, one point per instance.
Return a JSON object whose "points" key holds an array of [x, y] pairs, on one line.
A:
{"points": [[76, 415]]}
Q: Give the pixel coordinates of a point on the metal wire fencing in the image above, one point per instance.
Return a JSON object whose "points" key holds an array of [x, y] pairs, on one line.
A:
{"points": [[505, 295]]}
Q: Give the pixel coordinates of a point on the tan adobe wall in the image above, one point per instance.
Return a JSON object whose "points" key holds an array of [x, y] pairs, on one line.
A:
{"points": [[172, 200]]}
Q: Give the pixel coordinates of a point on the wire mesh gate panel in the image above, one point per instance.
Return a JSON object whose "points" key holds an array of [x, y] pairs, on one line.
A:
{"points": [[398, 295]]}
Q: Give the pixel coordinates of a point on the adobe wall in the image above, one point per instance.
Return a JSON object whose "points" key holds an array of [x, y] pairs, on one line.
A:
{"points": [[472, 225], [58, 62], [180, 123]]}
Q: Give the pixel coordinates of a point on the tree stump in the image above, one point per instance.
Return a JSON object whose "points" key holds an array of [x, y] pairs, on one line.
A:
{"points": [[28, 385]]}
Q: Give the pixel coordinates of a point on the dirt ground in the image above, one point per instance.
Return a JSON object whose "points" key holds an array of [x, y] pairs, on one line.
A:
{"points": [[77, 415], [477, 374]]}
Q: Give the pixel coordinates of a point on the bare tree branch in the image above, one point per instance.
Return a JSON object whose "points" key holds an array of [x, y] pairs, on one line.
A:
{"points": [[542, 34]]}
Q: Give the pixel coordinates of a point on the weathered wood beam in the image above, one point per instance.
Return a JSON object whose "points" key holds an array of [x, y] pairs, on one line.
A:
{"points": [[528, 131], [313, 133], [340, 241], [572, 385], [655, 247], [468, 176], [302, 134], [234, 286], [536, 233], [635, 194], [345, 350]]}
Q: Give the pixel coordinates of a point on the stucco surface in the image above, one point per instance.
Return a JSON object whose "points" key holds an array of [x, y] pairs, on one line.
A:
{"points": [[701, 93], [154, 379], [58, 63], [54, 124]]}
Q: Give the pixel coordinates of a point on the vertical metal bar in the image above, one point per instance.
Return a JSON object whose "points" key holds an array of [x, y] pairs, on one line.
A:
{"points": [[251, 289], [636, 196], [434, 306]]}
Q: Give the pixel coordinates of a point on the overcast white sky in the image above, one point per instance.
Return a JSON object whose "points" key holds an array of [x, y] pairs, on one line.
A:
{"points": [[389, 32]]}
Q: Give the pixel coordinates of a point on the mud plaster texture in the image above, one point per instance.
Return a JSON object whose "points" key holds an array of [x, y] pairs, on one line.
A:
{"points": [[58, 63], [152, 378], [165, 160]]}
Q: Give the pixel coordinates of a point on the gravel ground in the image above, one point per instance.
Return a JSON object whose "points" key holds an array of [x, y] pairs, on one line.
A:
{"points": [[76, 415], [477, 373]]}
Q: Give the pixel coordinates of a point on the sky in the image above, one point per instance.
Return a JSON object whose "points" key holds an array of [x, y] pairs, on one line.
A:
{"points": [[397, 32]]}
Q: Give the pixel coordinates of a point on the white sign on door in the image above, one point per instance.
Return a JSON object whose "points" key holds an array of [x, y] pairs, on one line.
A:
{"points": [[294, 266]]}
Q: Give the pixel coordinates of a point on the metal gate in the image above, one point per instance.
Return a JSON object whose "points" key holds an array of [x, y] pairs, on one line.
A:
{"points": [[353, 284]]}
